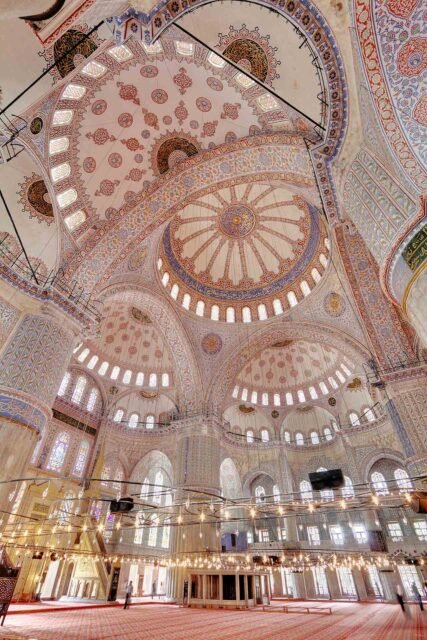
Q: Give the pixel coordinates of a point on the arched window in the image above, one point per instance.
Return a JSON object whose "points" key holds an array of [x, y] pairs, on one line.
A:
{"points": [[115, 373], [139, 518], [152, 381], [316, 275], [340, 376], [323, 260], [326, 494], [103, 368], [265, 436], [186, 301], [334, 423], [244, 394], [165, 278], [118, 416], [264, 399], [127, 376], [59, 451], [105, 475], [327, 433], [250, 436], [64, 384], [277, 307], [354, 419], [262, 312], [323, 388], [276, 399], [149, 421], [402, 479], [289, 398], [301, 395], [332, 382], [84, 354], [139, 379], [259, 493], [304, 286], [145, 489], [230, 314], [157, 490], [305, 490], [166, 533], [200, 308], [235, 393], [292, 299], [254, 397], [93, 397], [276, 493], [174, 291], [299, 439], [346, 370], [215, 312], [152, 535], [65, 508], [92, 362], [287, 436], [133, 421], [119, 476], [314, 437], [327, 243], [81, 458], [165, 379], [246, 314], [313, 393], [79, 389], [379, 483], [347, 490], [369, 415]]}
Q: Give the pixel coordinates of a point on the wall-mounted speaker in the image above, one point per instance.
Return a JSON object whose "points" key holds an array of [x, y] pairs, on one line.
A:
{"points": [[332, 479]]}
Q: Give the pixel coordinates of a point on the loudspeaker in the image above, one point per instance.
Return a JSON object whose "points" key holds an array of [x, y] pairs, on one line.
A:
{"points": [[419, 502], [124, 504], [332, 479]]}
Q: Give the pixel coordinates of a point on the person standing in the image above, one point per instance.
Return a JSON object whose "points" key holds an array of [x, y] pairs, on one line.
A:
{"points": [[399, 596], [129, 591], [153, 590], [417, 596]]}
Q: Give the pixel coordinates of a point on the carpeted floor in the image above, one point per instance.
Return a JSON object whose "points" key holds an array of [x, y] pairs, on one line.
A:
{"points": [[349, 621]]}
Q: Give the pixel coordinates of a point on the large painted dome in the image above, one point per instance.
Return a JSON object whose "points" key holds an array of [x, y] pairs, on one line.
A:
{"points": [[254, 248]]}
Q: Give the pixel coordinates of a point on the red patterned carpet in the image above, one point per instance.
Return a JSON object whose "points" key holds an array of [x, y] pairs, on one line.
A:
{"points": [[349, 621]]}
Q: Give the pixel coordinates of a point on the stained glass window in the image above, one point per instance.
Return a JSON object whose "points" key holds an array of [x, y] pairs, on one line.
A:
{"points": [[59, 451], [81, 458]]}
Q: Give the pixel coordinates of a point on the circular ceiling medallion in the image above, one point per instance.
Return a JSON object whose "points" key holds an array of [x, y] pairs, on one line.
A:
{"points": [[212, 343], [237, 221], [334, 304]]}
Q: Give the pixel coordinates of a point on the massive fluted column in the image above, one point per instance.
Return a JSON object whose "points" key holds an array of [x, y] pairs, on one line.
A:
{"points": [[198, 471], [32, 365]]}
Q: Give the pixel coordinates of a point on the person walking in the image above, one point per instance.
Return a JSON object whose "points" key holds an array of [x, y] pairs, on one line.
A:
{"points": [[417, 596], [399, 596], [129, 591], [153, 590]]}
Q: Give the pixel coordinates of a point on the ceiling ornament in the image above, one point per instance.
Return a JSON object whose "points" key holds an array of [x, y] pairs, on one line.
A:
{"points": [[136, 261], [334, 304], [148, 395], [244, 409], [170, 149], [212, 343], [67, 64], [251, 51], [355, 384], [140, 316], [35, 199]]}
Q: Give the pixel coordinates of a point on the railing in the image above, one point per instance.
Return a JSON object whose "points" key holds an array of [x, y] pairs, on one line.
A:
{"points": [[14, 266]]}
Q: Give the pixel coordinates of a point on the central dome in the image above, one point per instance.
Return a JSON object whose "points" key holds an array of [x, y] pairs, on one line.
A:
{"points": [[247, 245]]}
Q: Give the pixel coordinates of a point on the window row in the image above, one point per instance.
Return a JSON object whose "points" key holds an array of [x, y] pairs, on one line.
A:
{"points": [[80, 391], [135, 420], [288, 398], [247, 315], [396, 534], [400, 478], [306, 491], [297, 439], [63, 117], [127, 376], [59, 451]]}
